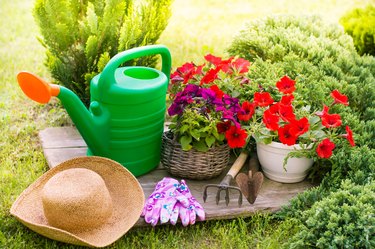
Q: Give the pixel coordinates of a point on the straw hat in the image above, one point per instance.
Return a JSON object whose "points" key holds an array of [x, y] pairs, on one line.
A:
{"points": [[90, 201]]}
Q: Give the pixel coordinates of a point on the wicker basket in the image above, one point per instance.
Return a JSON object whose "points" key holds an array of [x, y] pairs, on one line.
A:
{"points": [[193, 164]]}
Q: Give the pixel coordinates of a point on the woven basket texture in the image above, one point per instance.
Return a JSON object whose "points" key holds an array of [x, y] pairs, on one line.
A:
{"points": [[193, 164]]}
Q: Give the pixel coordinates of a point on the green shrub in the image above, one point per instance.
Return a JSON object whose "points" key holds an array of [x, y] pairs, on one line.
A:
{"points": [[81, 36], [322, 58], [360, 24], [344, 219]]}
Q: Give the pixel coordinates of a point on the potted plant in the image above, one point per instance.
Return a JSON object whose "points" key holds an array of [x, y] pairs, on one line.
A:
{"points": [[289, 135], [204, 119]]}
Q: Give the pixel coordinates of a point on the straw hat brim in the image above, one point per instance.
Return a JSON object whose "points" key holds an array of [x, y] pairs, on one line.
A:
{"points": [[127, 197]]}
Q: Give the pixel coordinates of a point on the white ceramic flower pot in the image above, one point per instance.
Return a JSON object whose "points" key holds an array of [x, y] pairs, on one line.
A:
{"points": [[271, 157]]}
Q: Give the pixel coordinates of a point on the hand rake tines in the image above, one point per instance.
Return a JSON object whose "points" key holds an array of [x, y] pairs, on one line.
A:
{"points": [[224, 185]]}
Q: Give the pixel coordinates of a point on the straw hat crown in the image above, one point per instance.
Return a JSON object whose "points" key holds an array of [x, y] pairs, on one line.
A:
{"points": [[76, 198]]}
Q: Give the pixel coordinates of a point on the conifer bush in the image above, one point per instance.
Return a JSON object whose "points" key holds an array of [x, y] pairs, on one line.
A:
{"points": [[359, 23], [322, 58], [81, 36], [343, 219]]}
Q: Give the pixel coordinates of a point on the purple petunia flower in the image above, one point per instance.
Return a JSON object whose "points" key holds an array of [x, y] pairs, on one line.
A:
{"points": [[191, 90], [175, 109], [208, 95]]}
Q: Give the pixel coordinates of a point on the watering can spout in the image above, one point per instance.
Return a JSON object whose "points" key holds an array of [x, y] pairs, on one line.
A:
{"points": [[87, 122]]}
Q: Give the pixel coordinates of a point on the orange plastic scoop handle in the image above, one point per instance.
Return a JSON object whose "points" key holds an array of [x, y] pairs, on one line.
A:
{"points": [[36, 88]]}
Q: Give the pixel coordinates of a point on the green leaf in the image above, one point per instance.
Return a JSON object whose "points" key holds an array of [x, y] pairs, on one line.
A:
{"points": [[92, 19], [184, 128], [318, 134], [103, 60], [266, 140], [91, 50], [200, 146], [314, 120], [265, 131], [210, 140], [185, 142], [196, 134]]}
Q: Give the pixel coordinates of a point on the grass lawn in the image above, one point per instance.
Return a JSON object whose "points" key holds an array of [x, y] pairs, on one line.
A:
{"points": [[195, 29]]}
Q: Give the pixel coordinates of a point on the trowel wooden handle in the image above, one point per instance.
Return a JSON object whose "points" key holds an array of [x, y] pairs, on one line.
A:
{"points": [[254, 163], [237, 165]]}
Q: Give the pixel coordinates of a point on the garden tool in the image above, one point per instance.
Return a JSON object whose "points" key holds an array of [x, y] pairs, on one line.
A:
{"points": [[224, 184], [250, 183], [125, 120]]}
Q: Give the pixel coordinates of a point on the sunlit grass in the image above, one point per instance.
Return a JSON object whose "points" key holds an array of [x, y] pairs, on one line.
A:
{"points": [[195, 29]]}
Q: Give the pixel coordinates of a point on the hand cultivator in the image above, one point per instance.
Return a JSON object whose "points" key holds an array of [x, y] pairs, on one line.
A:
{"points": [[224, 185]]}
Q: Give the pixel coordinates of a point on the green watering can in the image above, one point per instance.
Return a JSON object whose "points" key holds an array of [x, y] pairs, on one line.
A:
{"points": [[125, 120]]}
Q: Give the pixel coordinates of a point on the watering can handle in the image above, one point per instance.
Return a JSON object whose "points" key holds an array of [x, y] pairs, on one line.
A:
{"points": [[107, 77]]}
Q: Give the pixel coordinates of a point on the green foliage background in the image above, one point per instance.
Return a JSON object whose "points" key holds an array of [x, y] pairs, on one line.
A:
{"points": [[322, 58], [343, 219], [359, 23], [196, 28], [81, 36]]}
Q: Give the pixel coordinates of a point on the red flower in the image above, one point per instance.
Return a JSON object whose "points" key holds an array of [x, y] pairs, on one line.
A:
{"points": [[324, 112], [248, 110], [225, 65], [271, 120], [274, 109], [176, 77], [241, 65], [286, 85], [300, 127], [213, 59], [236, 137], [331, 120], [339, 98], [286, 136], [287, 99], [199, 68], [286, 113], [187, 71], [325, 148], [262, 99], [224, 126], [210, 76], [349, 136], [219, 94]]}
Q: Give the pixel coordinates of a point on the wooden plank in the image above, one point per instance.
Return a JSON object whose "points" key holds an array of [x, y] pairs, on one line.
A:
{"points": [[63, 143], [61, 137]]}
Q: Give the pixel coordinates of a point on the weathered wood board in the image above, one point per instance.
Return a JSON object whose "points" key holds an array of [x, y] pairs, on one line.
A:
{"points": [[63, 143]]}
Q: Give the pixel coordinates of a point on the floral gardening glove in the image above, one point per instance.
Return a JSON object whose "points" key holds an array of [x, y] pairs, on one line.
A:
{"points": [[161, 202], [187, 207]]}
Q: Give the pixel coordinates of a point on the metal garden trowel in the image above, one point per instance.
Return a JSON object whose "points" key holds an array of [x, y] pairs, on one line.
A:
{"points": [[251, 183]]}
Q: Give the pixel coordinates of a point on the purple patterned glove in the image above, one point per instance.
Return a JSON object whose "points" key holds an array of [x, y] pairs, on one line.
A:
{"points": [[189, 207], [171, 200], [161, 202]]}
